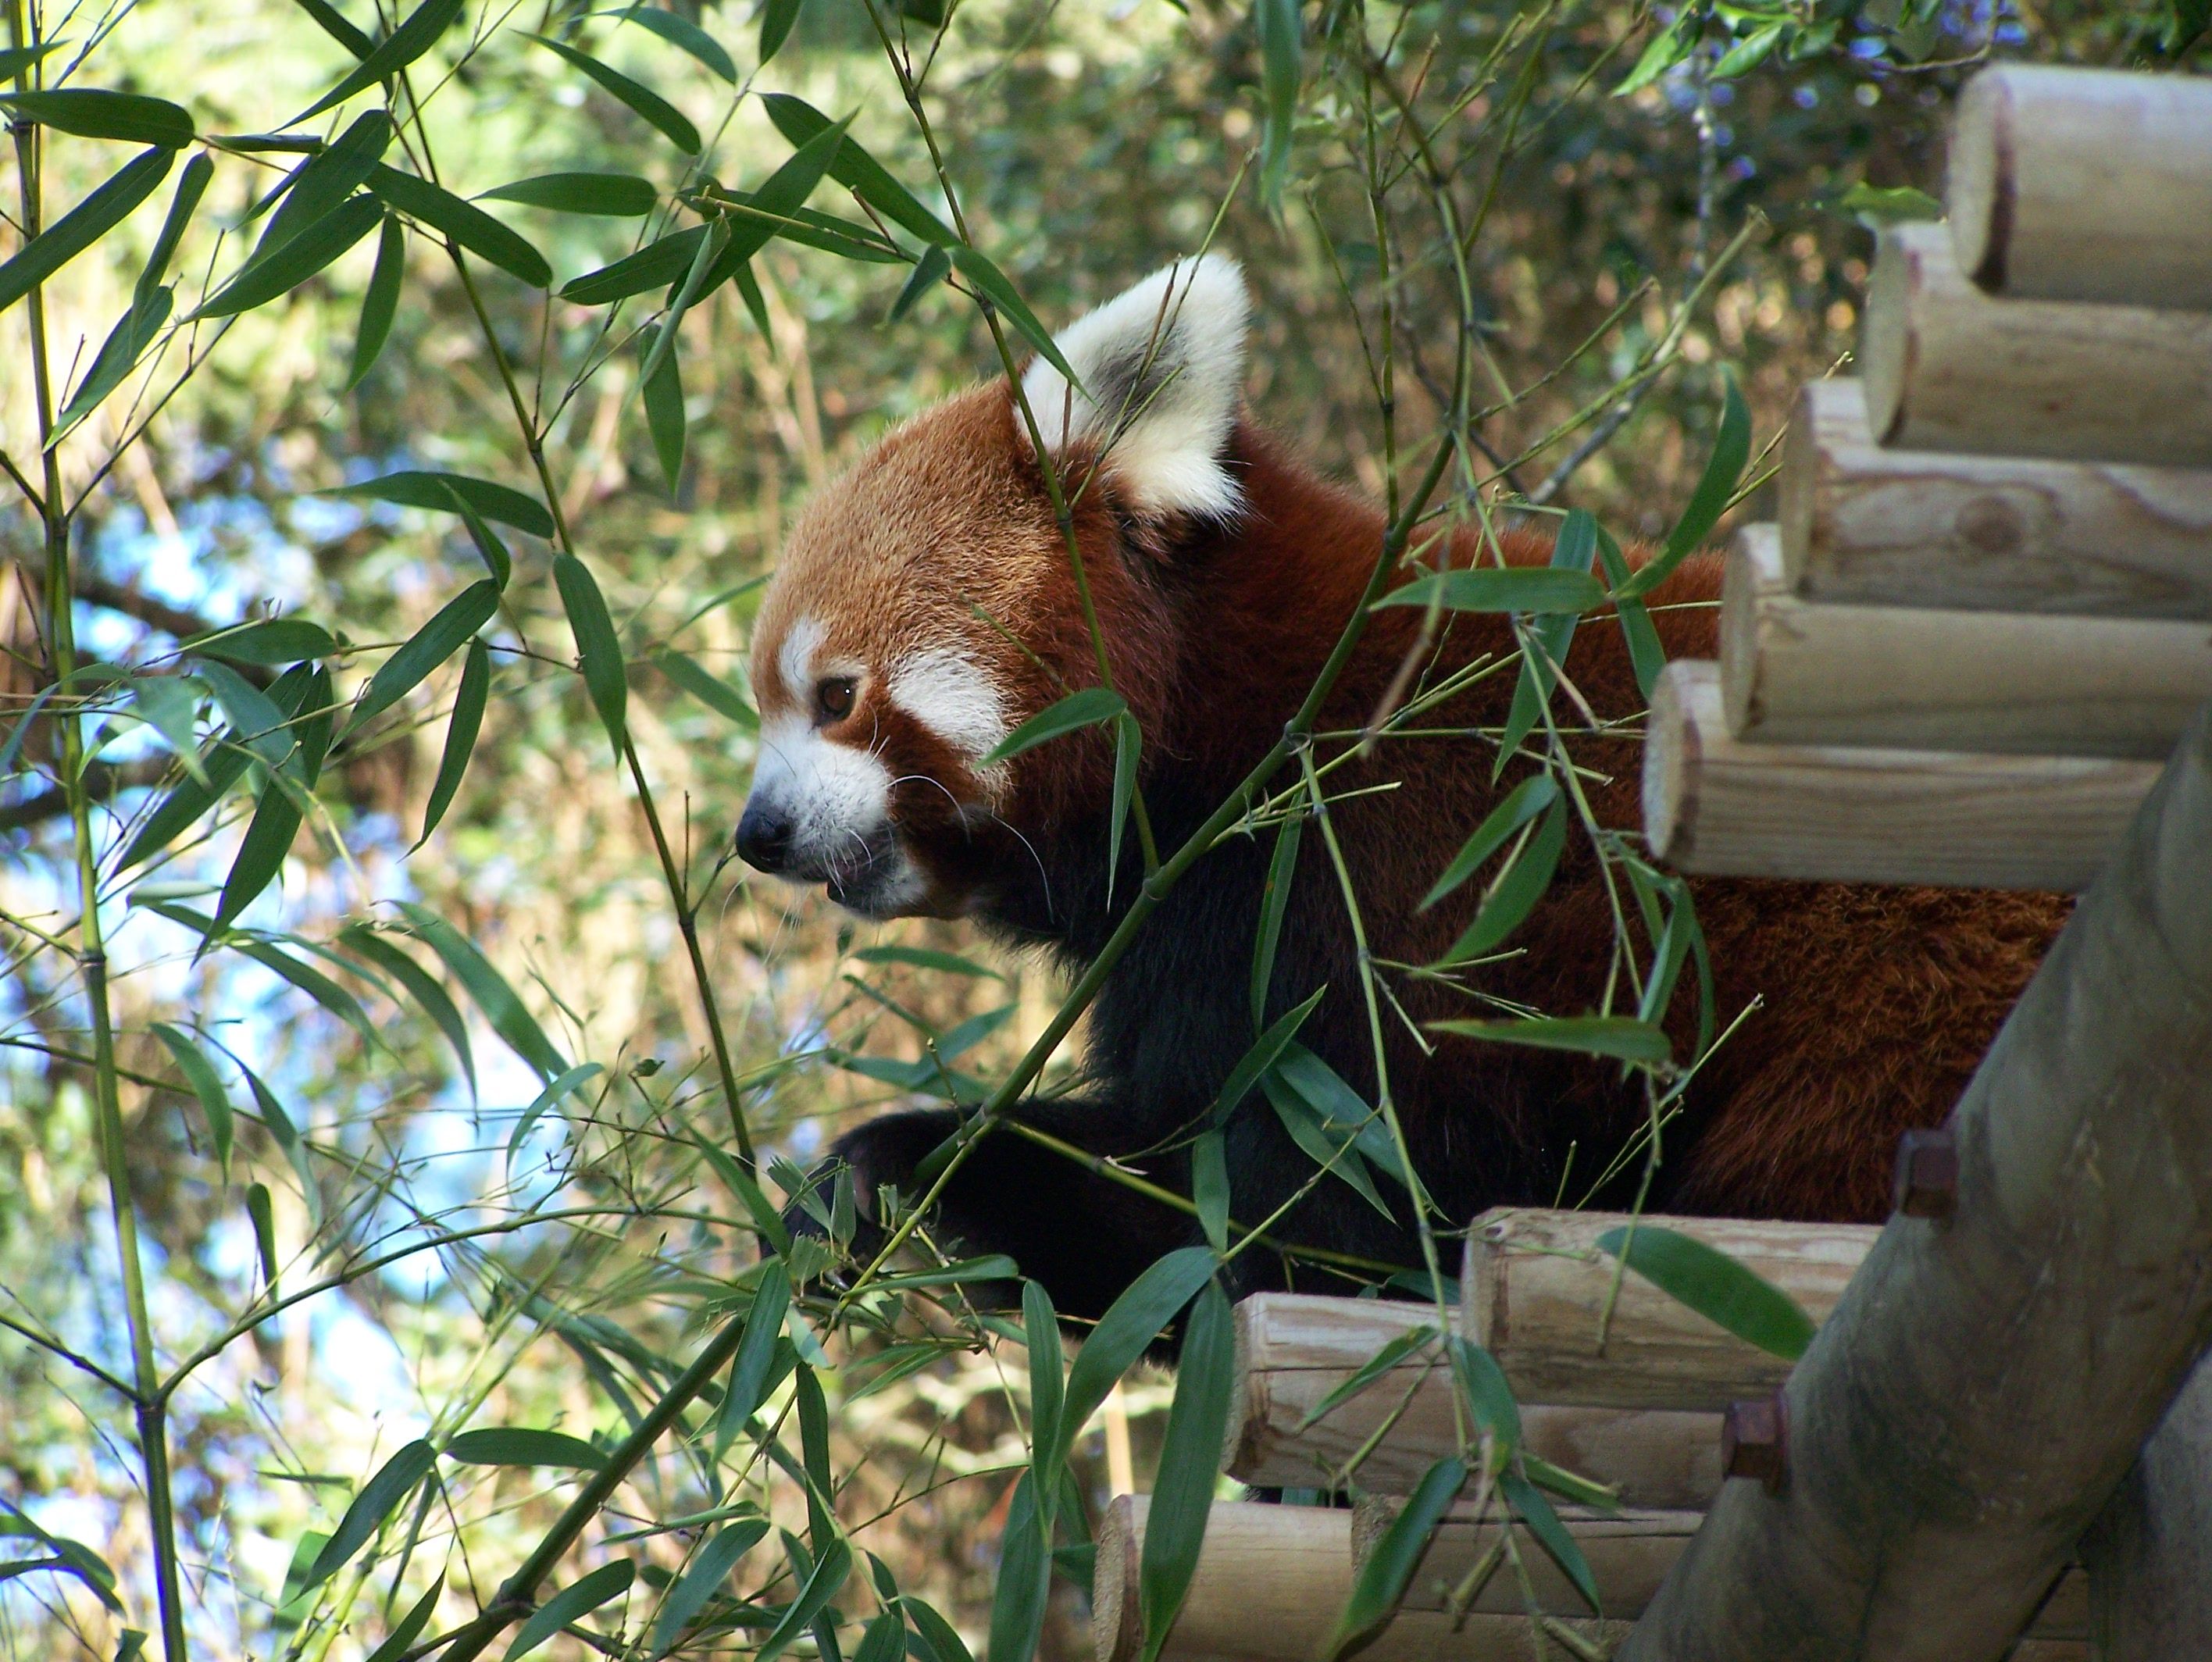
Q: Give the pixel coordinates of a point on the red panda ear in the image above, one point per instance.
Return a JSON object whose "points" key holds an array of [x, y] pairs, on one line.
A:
{"points": [[1162, 365]]}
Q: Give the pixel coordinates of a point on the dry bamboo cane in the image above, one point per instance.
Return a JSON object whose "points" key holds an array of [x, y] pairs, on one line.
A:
{"points": [[2084, 185], [1948, 368], [1999, 533], [1990, 1376], [1796, 671], [1721, 806]]}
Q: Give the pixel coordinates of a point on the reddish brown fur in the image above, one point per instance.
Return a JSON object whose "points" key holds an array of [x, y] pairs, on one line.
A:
{"points": [[1874, 1003]]}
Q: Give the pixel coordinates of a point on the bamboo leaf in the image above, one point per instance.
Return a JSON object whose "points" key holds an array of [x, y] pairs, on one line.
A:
{"points": [[1254, 1065], [1128, 742], [379, 303], [718, 695], [93, 112], [653, 266], [1667, 49], [884, 1640], [661, 389], [649, 104], [1190, 1454], [1078, 710], [683, 34], [1538, 589], [991, 284], [1275, 904], [776, 17], [931, 268], [1522, 803], [454, 624], [936, 1634], [1387, 1358], [378, 1498], [317, 187], [414, 37], [461, 729], [598, 650], [859, 171], [1382, 1578], [1731, 450], [264, 280], [581, 1074], [524, 1445], [416, 489], [1748, 52], [127, 342], [1533, 1510], [423, 987], [271, 640], [1488, 1395], [465, 222], [1724, 1291], [1209, 1187], [780, 199], [1278, 25], [1127, 1331], [1047, 1386], [83, 225], [1517, 891], [614, 195], [830, 1572], [1646, 654], [489, 988], [699, 1583], [334, 24], [749, 1367], [1326, 1146], [261, 851], [263, 1217], [405, 1631], [569, 1605], [921, 957], [15, 60], [207, 1085], [1618, 1036], [1025, 1578]]}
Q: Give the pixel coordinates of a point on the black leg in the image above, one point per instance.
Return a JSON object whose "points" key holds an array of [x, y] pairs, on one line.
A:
{"points": [[1084, 1235]]}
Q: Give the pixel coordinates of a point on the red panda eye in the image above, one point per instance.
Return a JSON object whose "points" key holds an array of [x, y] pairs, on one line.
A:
{"points": [[834, 697]]}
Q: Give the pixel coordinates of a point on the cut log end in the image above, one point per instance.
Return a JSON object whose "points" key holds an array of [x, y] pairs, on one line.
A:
{"points": [[1671, 764], [1979, 189]]}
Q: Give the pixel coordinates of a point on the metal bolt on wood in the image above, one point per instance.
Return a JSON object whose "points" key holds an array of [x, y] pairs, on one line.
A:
{"points": [[1755, 1441], [1927, 1172]]}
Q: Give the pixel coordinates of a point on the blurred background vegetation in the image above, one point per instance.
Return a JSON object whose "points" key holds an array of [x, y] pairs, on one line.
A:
{"points": [[1089, 142]]}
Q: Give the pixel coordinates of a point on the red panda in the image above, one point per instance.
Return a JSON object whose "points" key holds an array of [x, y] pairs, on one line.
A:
{"points": [[925, 606]]}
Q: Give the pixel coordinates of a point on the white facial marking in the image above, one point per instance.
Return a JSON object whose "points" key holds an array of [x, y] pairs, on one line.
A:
{"points": [[835, 796], [953, 696], [795, 662]]}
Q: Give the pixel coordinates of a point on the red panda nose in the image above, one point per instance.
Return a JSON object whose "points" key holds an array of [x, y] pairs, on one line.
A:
{"points": [[764, 837]]}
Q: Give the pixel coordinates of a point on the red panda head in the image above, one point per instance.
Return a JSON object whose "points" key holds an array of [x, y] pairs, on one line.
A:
{"points": [[925, 605]]}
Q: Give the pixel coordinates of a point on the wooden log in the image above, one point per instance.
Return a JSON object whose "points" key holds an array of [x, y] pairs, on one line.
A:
{"points": [[2084, 185], [1799, 672], [1990, 1376], [1720, 806], [1538, 1291], [1948, 368], [2149, 1553], [2003, 533], [1272, 1581], [1293, 1350]]}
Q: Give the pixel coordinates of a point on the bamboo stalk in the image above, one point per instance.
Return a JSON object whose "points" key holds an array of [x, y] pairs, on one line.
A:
{"points": [[1797, 671], [1948, 368], [2084, 185], [2004, 533], [1716, 806], [1990, 1376], [1567, 1328], [1293, 1351]]}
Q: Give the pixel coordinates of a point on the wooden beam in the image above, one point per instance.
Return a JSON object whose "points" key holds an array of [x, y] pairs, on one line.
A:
{"points": [[2084, 185], [1948, 368], [1797, 671], [1990, 1376], [2004, 533], [1567, 1328], [1293, 1350], [1720, 806], [1272, 1581], [2149, 1553]]}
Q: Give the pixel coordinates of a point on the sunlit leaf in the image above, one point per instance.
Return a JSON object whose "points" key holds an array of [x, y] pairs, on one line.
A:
{"points": [[931, 268], [379, 303], [681, 33], [649, 104], [463, 221], [408, 1628], [859, 171], [1668, 48], [461, 729], [598, 649], [287, 268], [776, 17], [271, 640], [453, 624], [417, 490], [414, 37], [207, 1085], [319, 184], [653, 266], [93, 112], [379, 1497], [574, 1602], [83, 225], [1078, 710], [618, 196], [523, 1445], [991, 284]]}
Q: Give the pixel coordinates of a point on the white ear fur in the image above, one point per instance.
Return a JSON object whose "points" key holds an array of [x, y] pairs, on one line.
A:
{"points": [[1166, 362]]}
